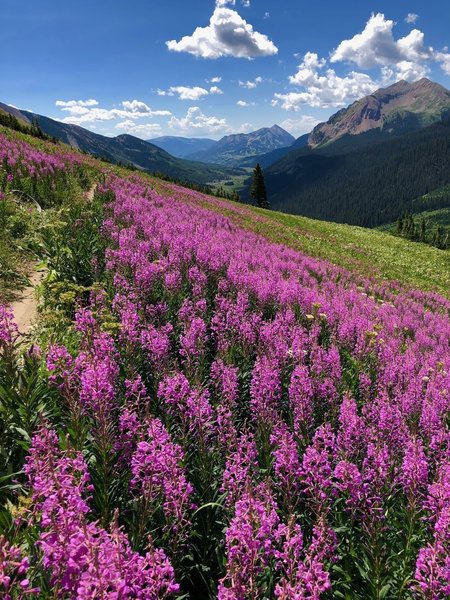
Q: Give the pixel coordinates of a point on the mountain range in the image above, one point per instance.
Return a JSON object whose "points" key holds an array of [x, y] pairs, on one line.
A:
{"points": [[368, 162], [365, 166], [232, 150], [182, 147], [125, 149]]}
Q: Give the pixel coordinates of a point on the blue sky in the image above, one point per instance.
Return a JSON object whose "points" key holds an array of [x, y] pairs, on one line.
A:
{"points": [[205, 68]]}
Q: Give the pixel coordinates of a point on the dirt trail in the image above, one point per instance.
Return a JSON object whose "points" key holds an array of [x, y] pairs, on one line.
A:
{"points": [[25, 307]]}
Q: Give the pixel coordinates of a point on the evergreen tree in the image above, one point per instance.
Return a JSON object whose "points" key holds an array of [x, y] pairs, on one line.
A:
{"points": [[258, 188], [423, 230]]}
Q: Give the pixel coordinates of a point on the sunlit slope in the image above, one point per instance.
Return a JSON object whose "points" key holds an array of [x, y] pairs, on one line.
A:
{"points": [[366, 251]]}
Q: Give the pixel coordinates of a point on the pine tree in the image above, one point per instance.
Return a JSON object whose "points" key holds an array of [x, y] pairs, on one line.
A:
{"points": [[258, 188], [423, 230]]}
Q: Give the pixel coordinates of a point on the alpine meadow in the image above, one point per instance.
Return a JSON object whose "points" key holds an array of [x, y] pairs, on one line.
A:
{"points": [[224, 301]]}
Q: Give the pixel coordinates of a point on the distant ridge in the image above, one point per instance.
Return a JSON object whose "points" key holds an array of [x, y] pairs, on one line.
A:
{"points": [[125, 149], [182, 146], [232, 149]]}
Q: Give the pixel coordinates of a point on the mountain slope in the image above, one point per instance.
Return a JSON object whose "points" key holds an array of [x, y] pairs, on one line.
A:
{"points": [[367, 186], [182, 146], [125, 149], [398, 108], [232, 149]]}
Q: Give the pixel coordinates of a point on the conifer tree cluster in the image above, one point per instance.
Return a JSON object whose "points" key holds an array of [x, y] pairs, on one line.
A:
{"points": [[420, 231]]}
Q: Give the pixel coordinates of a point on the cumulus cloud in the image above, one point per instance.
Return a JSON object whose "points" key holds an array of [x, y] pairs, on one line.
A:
{"points": [[323, 89], [376, 45], [251, 85], [192, 93], [227, 34], [70, 103], [196, 121], [140, 130], [87, 111], [406, 58], [215, 80], [301, 125], [244, 104], [411, 18], [406, 70], [444, 59]]}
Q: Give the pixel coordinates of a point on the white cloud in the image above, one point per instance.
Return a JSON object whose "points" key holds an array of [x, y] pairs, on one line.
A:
{"points": [[251, 85], [141, 130], [140, 108], [444, 59], [227, 34], [406, 58], [411, 18], [376, 45], [327, 90], [246, 3], [197, 122], [215, 80], [87, 111], [244, 104], [191, 93], [188, 93], [70, 103], [297, 127], [246, 128], [267, 15], [406, 70], [221, 3]]}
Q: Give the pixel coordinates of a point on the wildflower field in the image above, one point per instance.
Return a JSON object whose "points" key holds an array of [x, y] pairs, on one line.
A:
{"points": [[204, 413]]}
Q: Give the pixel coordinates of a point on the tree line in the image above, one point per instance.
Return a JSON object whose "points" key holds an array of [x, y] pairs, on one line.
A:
{"points": [[420, 230]]}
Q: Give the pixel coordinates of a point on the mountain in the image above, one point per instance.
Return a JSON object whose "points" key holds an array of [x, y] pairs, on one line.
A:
{"points": [[182, 146], [125, 149], [368, 163], [269, 158], [398, 108], [367, 185], [233, 149]]}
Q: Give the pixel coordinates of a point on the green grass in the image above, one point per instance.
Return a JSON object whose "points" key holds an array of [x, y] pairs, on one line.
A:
{"points": [[368, 252]]}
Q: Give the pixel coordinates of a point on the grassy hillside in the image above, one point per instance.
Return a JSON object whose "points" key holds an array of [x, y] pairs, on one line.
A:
{"points": [[368, 252]]}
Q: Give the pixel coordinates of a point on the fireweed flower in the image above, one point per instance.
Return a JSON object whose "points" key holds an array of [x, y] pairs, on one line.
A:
{"points": [[14, 567], [191, 407], [159, 477], [83, 559], [265, 391], [250, 542], [317, 469], [414, 471], [240, 468], [8, 328], [433, 561], [301, 401], [304, 575], [286, 463]]}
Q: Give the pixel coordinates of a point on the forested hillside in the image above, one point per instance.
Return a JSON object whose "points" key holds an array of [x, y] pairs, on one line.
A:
{"points": [[371, 185]]}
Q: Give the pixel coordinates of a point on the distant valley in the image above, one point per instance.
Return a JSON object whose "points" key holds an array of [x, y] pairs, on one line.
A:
{"points": [[379, 158]]}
